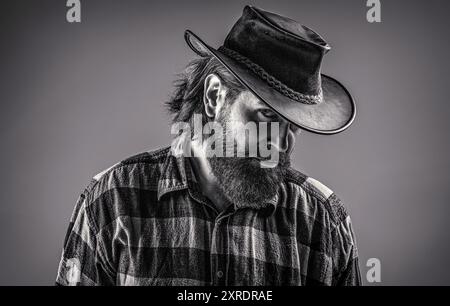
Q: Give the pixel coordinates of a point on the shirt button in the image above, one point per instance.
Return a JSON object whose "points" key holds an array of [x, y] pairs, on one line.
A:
{"points": [[219, 274]]}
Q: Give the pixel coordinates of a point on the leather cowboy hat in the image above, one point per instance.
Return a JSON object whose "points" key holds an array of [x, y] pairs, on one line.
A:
{"points": [[279, 61]]}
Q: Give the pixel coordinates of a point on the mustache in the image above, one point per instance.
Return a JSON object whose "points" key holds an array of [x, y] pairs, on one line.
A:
{"points": [[284, 160]]}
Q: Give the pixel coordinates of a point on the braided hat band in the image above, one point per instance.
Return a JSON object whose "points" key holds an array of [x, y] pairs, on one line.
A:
{"points": [[272, 81]]}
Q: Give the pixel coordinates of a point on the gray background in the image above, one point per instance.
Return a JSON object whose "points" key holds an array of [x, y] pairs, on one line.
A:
{"points": [[76, 98]]}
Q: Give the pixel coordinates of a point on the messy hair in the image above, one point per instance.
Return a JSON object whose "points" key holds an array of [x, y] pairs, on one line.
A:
{"points": [[187, 98]]}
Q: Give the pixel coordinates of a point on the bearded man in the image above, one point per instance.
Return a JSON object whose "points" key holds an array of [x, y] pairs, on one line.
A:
{"points": [[178, 216]]}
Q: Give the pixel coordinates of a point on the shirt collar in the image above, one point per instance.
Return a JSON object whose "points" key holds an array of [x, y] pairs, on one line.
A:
{"points": [[173, 175]]}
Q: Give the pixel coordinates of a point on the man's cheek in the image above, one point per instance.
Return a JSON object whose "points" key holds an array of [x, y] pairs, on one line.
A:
{"points": [[269, 149], [253, 146], [246, 138]]}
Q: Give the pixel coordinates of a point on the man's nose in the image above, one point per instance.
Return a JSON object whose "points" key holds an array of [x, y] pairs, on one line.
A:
{"points": [[286, 138]]}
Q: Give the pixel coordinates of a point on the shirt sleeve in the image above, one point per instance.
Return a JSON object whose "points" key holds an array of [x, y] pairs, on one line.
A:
{"points": [[82, 263], [345, 257]]}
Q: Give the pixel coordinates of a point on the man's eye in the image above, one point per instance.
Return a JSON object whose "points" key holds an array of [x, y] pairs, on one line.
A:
{"points": [[268, 113]]}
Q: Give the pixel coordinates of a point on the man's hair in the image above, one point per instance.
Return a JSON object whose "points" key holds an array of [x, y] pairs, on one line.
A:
{"points": [[187, 98]]}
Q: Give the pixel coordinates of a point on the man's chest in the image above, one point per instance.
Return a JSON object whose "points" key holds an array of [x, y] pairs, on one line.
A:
{"points": [[191, 245]]}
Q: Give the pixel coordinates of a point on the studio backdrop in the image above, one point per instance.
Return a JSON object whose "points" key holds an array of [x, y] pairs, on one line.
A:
{"points": [[76, 97]]}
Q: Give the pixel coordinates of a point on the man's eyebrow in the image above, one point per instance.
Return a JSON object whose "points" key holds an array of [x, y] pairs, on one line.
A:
{"points": [[261, 103]]}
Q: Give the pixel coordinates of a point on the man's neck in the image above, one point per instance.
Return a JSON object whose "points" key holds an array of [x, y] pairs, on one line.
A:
{"points": [[208, 183]]}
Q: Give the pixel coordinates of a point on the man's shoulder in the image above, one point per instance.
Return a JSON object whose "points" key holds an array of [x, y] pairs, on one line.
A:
{"points": [[325, 196], [121, 189], [138, 171]]}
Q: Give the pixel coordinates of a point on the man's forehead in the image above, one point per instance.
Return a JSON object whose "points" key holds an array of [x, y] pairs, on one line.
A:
{"points": [[254, 100], [260, 102]]}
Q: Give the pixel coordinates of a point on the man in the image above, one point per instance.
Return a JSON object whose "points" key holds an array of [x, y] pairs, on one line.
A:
{"points": [[184, 216]]}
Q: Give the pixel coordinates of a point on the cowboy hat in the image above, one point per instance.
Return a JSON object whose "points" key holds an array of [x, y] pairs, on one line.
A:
{"points": [[279, 61]]}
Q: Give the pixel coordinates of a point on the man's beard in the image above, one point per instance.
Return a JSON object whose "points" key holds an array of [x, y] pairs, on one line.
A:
{"points": [[242, 179]]}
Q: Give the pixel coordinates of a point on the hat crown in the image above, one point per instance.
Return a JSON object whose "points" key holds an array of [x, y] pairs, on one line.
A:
{"points": [[293, 27], [286, 50]]}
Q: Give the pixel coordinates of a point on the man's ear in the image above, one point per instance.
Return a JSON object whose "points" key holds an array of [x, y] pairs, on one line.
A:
{"points": [[214, 93]]}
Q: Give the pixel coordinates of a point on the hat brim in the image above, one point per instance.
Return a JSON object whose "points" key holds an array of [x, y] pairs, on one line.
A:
{"points": [[333, 115]]}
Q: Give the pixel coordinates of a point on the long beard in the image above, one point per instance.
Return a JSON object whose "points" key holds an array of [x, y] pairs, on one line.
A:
{"points": [[243, 181]]}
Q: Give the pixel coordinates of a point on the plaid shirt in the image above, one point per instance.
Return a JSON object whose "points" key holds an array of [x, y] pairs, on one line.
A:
{"points": [[144, 221]]}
